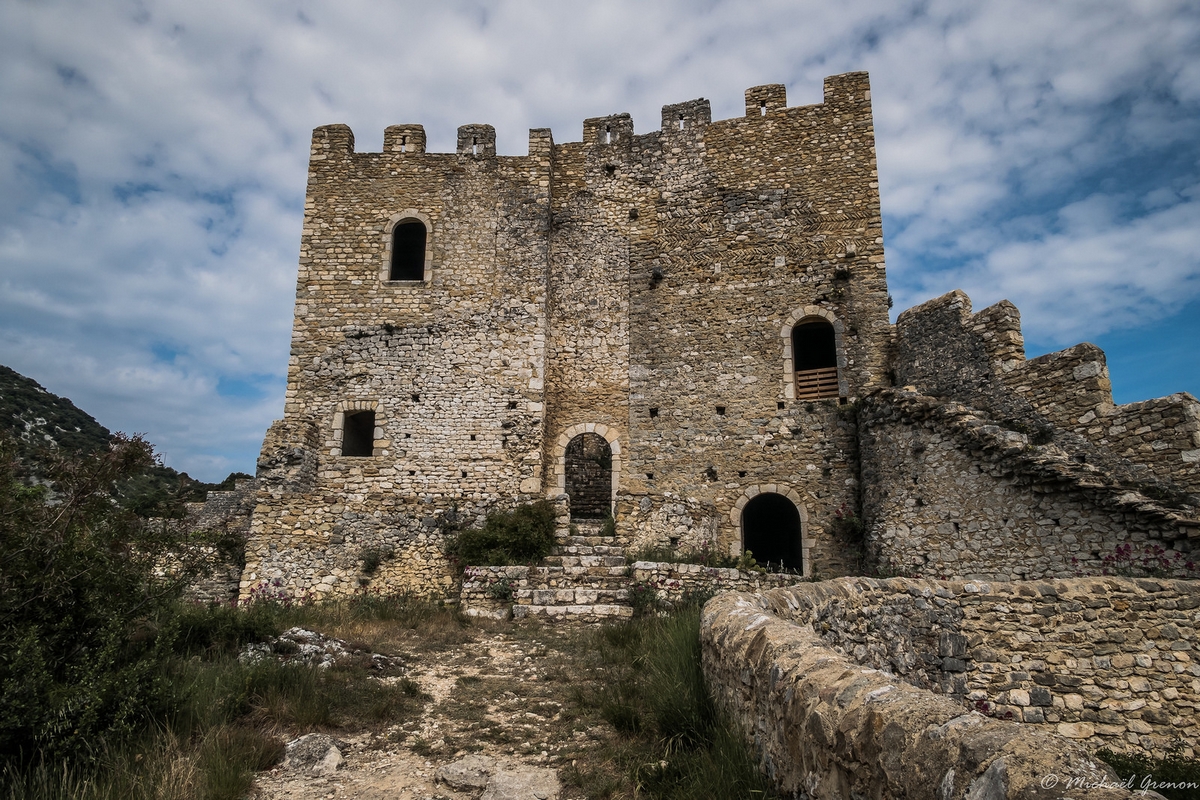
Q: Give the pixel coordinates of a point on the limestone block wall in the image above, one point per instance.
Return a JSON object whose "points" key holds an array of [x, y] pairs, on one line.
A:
{"points": [[589, 591], [1108, 662], [826, 726], [948, 494]]}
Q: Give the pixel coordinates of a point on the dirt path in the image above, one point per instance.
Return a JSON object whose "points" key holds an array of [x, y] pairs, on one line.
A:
{"points": [[506, 693]]}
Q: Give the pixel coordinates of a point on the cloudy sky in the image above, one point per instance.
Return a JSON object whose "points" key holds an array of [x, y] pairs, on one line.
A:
{"points": [[153, 157]]}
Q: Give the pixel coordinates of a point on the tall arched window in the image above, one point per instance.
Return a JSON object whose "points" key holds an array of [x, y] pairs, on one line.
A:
{"points": [[814, 359], [408, 251]]}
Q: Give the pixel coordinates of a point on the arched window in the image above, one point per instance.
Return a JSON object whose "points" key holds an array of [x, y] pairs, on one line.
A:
{"points": [[358, 433], [771, 531], [408, 251], [814, 359], [589, 463]]}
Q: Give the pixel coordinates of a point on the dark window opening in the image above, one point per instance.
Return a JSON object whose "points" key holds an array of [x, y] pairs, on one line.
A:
{"points": [[780, 405], [814, 360], [472, 437], [771, 531], [416, 398], [654, 412], [412, 472], [762, 108], [589, 476], [464, 473], [512, 404], [741, 473], [358, 434], [721, 411], [408, 252], [649, 476]]}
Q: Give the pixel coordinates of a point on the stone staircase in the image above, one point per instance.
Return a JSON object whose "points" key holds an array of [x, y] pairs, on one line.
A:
{"points": [[586, 579], [585, 576]]}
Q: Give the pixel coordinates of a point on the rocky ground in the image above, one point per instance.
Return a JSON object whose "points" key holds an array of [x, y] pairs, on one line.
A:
{"points": [[502, 719]]}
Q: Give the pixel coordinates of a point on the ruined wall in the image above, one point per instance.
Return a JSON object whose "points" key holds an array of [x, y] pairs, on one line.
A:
{"points": [[979, 466], [1071, 389], [825, 725], [948, 495]]}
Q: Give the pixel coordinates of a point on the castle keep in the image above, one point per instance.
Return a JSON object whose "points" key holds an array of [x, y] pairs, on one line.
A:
{"points": [[686, 329]]}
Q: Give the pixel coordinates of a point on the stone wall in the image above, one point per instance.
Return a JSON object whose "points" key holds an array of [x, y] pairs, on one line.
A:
{"points": [[985, 465], [588, 589], [1072, 390], [825, 725], [640, 286], [949, 494], [1106, 661]]}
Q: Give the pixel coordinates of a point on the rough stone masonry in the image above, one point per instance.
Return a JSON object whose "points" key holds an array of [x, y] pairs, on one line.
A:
{"points": [[687, 328]]}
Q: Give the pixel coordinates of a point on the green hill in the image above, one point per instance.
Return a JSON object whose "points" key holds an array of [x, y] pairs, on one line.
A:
{"points": [[45, 425]]}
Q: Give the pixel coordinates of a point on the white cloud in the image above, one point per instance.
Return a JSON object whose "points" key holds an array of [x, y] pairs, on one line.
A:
{"points": [[153, 154]]}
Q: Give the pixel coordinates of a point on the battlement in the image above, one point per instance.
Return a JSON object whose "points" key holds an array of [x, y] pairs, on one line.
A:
{"points": [[848, 92]]}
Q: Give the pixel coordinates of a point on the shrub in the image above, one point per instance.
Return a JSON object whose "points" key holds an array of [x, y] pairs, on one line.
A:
{"points": [[85, 612], [1174, 776], [522, 535], [643, 596]]}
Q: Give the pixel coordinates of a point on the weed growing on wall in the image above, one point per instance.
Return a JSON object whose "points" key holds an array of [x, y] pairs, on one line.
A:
{"points": [[522, 535]]}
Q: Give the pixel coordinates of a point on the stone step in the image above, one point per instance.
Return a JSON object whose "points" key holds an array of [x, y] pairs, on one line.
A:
{"points": [[583, 613], [584, 560], [550, 573], [590, 541], [585, 550], [573, 596]]}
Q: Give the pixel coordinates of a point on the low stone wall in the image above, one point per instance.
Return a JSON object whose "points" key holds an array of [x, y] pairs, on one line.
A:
{"points": [[587, 588], [826, 726]]}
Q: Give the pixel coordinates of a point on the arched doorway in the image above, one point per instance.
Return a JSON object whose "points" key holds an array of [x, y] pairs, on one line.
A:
{"points": [[771, 531], [588, 467]]}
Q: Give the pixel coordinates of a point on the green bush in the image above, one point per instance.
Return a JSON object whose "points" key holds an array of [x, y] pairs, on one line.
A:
{"points": [[1174, 776], [85, 616], [523, 535]]}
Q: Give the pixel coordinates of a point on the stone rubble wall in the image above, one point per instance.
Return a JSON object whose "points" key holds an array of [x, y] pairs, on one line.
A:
{"points": [[975, 467], [1072, 390], [948, 494], [1110, 662], [593, 588], [639, 284], [227, 513], [827, 726]]}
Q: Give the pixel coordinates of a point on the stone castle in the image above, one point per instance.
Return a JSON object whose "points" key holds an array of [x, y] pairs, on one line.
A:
{"points": [[687, 330]]}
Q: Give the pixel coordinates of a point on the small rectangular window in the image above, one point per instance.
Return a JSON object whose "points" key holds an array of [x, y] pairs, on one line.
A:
{"points": [[358, 434]]}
